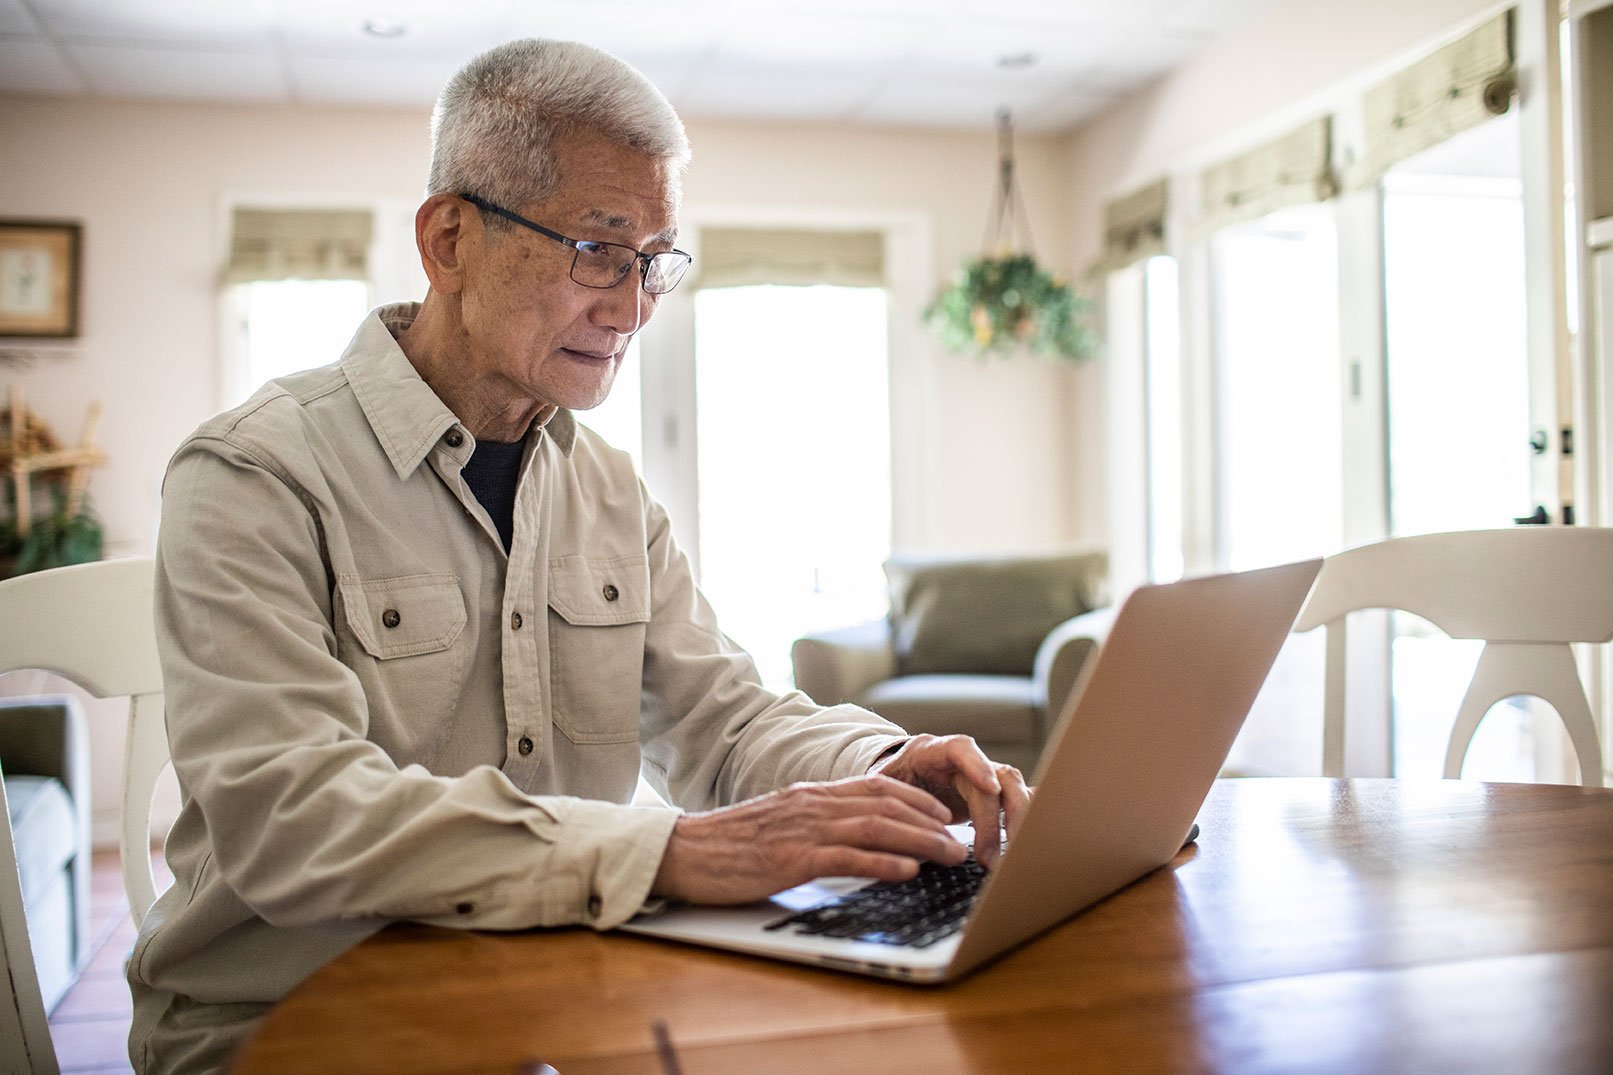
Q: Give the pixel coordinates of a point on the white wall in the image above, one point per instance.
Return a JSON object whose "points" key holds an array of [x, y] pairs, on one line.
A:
{"points": [[151, 184]]}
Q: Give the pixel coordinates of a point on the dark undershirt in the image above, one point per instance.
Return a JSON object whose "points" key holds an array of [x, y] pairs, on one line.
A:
{"points": [[492, 472]]}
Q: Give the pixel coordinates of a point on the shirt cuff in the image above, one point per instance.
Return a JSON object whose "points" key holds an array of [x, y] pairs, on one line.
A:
{"points": [[626, 855]]}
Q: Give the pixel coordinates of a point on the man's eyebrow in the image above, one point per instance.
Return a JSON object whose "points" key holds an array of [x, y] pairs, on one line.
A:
{"points": [[617, 222]]}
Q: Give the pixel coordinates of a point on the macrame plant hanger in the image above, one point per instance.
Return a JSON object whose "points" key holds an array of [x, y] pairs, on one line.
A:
{"points": [[1007, 217]]}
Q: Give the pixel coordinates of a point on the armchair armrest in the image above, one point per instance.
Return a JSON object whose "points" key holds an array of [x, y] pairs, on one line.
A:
{"points": [[838, 665], [46, 735], [1065, 656]]}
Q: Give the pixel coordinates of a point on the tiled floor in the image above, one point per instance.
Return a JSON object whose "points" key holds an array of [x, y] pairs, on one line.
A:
{"points": [[91, 1025]]}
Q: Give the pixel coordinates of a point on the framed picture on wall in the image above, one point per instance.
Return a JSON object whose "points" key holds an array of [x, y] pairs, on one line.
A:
{"points": [[39, 278]]}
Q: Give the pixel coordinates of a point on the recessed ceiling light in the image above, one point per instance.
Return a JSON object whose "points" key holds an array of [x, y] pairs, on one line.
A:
{"points": [[1014, 61], [385, 28]]}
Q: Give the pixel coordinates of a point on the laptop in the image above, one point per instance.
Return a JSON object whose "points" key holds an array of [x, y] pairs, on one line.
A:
{"points": [[1117, 789]]}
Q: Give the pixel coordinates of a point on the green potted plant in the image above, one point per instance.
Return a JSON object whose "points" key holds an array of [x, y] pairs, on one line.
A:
{"points": [[55, 538], [998, 305], [1002, 303]]}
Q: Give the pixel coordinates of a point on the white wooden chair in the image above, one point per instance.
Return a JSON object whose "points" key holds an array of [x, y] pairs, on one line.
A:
{"points": [[1527, 593], [25, 1044], [93, 624]]}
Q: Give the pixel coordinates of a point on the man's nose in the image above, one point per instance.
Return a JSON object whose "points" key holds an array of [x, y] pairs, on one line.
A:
{"points": [[624, 308]]}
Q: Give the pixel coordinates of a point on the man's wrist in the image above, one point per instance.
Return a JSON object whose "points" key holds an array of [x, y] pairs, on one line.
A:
{"points": [[884, 756]]}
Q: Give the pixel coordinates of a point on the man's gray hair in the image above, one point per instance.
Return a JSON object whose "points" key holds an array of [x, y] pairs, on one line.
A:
{"points": [[495, 124]]}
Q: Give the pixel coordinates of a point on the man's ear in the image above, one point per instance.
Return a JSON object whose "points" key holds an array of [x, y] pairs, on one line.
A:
{"points": [[440, 226]]}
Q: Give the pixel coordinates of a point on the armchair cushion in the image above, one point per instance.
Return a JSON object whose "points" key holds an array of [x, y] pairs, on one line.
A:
{"points": [[44, 752], [986, 616], [44, 829]]}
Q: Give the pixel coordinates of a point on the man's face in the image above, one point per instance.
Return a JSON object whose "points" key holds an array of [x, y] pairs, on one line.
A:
{"points": [[530, 326]]}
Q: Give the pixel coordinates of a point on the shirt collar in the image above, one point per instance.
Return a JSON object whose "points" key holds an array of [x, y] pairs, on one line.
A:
{"points": [[408, 418]]}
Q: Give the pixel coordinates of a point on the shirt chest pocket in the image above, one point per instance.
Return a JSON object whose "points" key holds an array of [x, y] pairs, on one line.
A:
{"points": [[599, 612], [405, 628]]}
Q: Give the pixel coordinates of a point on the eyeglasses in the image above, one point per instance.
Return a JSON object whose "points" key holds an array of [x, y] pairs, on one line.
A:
{"points": [[602, 265]]}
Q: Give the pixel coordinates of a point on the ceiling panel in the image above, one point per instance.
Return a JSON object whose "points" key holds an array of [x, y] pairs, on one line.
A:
{"points": [[36, 67], [945, 102], [456, 28], [199, 22], [933, 62], [616, 27], [180, 74], [326, 80], [14, 18], [737, 95], [764, 41]]}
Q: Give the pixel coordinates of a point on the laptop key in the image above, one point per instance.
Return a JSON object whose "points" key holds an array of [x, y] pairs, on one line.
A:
{"points": [[914, 913]]}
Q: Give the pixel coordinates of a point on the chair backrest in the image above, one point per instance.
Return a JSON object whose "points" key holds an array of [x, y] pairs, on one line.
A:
{"points": [[1528, 593], [93, 624], [25, 1043]]}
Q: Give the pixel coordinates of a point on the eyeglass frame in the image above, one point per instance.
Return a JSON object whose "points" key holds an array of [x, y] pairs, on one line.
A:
{"points": [[643, 259]]}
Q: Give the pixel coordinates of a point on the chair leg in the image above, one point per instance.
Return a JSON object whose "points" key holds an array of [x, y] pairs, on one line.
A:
{"points": [[1543, 670]]}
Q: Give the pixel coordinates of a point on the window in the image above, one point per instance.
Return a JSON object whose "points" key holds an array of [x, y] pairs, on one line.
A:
{"points": [[1163, 364], [290, 325], [620, 418], [1277, 379], [1458, 415], [793, 461]]}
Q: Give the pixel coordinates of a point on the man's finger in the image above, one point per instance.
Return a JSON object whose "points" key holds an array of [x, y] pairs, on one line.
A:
{"points": [[985, 810], [875, 833], [1016, 798], [914, 796], [877, 794]]}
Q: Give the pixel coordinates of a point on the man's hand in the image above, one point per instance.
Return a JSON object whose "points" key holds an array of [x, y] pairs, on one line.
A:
{"points": [[868, 826], [957, 772]]}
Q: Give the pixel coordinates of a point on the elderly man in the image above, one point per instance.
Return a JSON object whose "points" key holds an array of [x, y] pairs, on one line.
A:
{"points": [[421, 631]]}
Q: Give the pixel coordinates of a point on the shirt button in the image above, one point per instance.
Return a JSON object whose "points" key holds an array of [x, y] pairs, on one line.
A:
{"points": [[454, 438], [391, 618], [524, 745], [515, 621], [464, 908], [611, 592], [595, 905]]}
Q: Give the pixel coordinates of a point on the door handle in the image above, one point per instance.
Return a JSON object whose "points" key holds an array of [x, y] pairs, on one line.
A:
{"points": [[1539, 518]]}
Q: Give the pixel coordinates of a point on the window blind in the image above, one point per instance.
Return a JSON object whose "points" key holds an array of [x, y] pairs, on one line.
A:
{"points": [[302, 244], [1134, 226], [1292, 170], [732, 257], [1459, 86]]}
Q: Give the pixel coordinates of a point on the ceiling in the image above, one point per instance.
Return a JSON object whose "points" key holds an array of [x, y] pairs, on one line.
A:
{"points": [[950, 63]]}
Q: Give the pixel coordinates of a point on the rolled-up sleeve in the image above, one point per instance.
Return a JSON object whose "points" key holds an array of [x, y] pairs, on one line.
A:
{"points": [[713, 734]]}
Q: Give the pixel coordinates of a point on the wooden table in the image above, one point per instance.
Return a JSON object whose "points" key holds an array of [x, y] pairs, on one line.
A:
{"points": [[1318, 926]]}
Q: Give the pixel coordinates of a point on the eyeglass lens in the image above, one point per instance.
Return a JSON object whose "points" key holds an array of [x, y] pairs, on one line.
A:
{"points": [[604, 264]]}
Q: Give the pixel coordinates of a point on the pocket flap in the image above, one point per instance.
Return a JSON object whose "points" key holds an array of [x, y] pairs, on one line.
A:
{"points": [[599, 593], [403, 616]]}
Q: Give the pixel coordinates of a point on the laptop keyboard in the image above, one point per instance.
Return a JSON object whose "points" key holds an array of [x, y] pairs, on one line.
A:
{"points": [[914, 913]]}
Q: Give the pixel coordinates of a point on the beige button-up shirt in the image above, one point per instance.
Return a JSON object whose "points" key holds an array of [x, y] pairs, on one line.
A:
{"points": [[376, 714]]}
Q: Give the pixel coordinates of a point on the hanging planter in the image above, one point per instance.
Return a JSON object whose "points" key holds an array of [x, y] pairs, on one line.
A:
{"points": [[1003, 303]]}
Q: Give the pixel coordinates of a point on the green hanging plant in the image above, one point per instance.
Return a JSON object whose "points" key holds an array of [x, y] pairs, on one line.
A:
{"points": [[998, 305], [1003, 303]]}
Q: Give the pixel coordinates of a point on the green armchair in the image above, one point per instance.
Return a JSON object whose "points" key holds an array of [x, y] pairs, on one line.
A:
{"points": [[44, 751], [985, 646]]}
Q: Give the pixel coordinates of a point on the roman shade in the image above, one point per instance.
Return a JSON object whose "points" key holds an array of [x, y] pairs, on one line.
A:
{"points": [[1295, 169], [734, 257], [299, 244], [1134, 226], [1459, 86]]}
